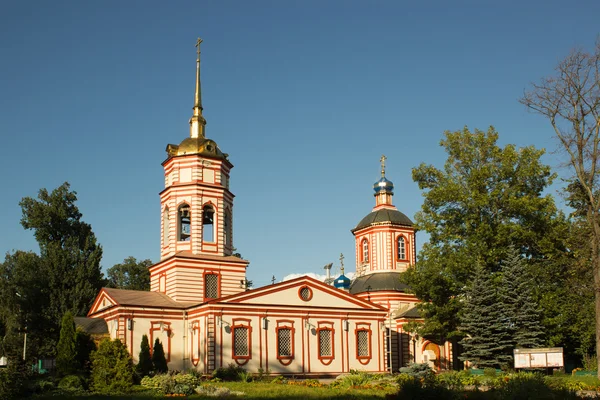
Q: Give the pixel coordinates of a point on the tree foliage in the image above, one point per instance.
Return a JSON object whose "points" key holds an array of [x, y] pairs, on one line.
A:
{"points": [[484, 199], [158, 358], [570, 100], [68, 247], [22, 296], [144, 366], [130, 274], [66, 349], [37, 290], [112, 367], [488, 342], [520, 307]]}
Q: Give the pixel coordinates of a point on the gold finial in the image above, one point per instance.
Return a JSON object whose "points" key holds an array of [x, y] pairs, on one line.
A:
{"points": [[342, 263], [197, 122], [382, 160]]}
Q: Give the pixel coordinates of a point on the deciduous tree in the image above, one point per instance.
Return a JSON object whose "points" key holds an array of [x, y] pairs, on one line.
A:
{"points": [[484, 199], [130, 274], [71, 256], [570, 100]]}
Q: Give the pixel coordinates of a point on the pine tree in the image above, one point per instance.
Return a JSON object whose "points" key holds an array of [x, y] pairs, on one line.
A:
{"points": [[517, 297], [144, 366], [65, 352], [158, 358], [478, 320]]}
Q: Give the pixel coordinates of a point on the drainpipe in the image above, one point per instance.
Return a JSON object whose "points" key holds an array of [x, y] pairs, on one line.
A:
{"points": [[184, 326]]}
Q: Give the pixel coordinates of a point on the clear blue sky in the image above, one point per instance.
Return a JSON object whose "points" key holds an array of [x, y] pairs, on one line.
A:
{"points": [[305, 96]]}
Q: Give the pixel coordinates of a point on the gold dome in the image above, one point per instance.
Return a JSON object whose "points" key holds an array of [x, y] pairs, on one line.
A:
{"points": [[201, 146]]}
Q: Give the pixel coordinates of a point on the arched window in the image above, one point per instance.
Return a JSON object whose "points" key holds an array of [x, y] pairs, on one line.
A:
{"points": [[401, 246], [208, 225], [185, 224], [365, 251], [166, 227]]}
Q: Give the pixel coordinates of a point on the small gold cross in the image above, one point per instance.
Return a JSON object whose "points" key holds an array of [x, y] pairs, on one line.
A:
{"points": [[198, 46], [382, 159]]}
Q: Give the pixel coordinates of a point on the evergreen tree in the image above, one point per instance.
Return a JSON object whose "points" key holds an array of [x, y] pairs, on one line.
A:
{"points": [[65, 351], [112, 368], [488, 335], [144, 366], [516, 295], [158, 358]]}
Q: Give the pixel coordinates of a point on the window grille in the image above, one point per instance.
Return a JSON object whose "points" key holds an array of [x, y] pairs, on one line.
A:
{"points": [[240, 345], [305, 294], [362, 343], [365, 246], [211, 286], [284, 340], [325, 348], [401, 248]]}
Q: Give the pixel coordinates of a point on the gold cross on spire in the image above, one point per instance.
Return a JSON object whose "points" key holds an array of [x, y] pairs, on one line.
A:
{"points": [[382, 160], [342, 263], [198, 47]]}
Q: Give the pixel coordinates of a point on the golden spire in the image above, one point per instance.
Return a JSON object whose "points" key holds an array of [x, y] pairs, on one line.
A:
{"points": [[382, 160], [197, 122]]}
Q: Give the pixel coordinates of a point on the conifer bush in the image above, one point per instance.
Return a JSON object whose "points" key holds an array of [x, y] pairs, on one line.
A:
{"points": [[144, 366], [65, 350], [158, 358], [112, 368]]}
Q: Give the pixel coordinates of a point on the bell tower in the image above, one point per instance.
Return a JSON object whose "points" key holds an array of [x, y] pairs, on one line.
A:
{"points": [[197, 217]]}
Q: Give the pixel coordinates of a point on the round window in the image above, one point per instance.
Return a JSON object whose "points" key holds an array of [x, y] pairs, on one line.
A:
{"points": [[305, 293]]}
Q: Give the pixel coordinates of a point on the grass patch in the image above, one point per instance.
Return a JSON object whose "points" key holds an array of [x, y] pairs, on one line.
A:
{"points": [[254, 390]]}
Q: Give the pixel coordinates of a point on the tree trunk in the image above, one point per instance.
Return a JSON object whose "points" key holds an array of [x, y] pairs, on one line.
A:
{"points": [[595, 242]]}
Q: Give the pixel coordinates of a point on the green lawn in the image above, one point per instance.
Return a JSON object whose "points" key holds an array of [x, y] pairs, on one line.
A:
{"points": [[254, 390]]}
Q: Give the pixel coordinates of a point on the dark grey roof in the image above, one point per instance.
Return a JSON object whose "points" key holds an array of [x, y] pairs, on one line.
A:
{"points": [[93, 326], [410, 313], [383, 216], [378, 282]]}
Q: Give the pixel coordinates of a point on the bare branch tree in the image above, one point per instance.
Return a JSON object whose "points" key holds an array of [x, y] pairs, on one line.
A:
{"points": [[571, 102]]}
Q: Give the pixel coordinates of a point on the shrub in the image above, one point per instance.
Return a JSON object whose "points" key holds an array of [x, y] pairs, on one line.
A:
{"points": [[231, 373], [158, 358], [65, 350], [144, 365], [590, 362], [71, 383], [453, 380], [526, 386], [169, 384], [112, 367], [84, 345], [14, 379], [44, 385]]}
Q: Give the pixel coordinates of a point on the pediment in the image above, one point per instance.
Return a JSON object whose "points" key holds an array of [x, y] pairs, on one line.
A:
{"points": [[302, 292], [102, 302]]}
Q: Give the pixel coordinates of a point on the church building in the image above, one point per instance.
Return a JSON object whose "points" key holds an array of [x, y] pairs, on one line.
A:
{"points": [[199, 307]]}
